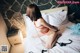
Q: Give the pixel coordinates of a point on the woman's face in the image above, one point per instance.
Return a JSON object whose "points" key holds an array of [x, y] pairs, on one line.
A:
{"points": [[28, 11]]}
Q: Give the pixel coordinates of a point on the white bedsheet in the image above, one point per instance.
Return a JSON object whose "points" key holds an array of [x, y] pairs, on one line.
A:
{"points": [[35, 45]]}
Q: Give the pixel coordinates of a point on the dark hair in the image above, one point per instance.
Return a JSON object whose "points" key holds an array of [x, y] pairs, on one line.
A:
{"points": [[35, 14]]}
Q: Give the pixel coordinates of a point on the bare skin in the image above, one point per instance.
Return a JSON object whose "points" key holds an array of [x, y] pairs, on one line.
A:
{"points": [[46, 29]]}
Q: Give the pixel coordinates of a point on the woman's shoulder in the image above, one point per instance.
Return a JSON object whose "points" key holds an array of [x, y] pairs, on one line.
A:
{"points": [[41, 20], [38, 23]]}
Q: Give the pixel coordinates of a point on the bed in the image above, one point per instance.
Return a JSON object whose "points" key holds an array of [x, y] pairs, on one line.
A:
{"points": [[32, 45]]}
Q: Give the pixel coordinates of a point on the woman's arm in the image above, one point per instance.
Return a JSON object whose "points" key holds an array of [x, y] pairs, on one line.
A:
{"points": [[44, 23], [53, 36]]}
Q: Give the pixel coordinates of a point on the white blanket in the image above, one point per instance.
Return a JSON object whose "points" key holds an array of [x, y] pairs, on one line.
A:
{"points": [[34, 45]]}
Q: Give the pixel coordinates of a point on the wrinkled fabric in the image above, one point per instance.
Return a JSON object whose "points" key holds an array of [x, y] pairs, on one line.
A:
{"points": [[75, 28]]}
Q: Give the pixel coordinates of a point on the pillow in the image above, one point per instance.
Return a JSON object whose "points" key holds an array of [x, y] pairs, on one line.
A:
{"points": [[30, 29], [56, 18]]}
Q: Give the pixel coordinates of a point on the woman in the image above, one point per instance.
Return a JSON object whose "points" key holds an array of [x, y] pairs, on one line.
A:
{"points": [[43, 28]]}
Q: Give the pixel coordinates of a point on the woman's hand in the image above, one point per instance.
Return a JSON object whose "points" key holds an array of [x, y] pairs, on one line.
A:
{"points": [[44, 23]]}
